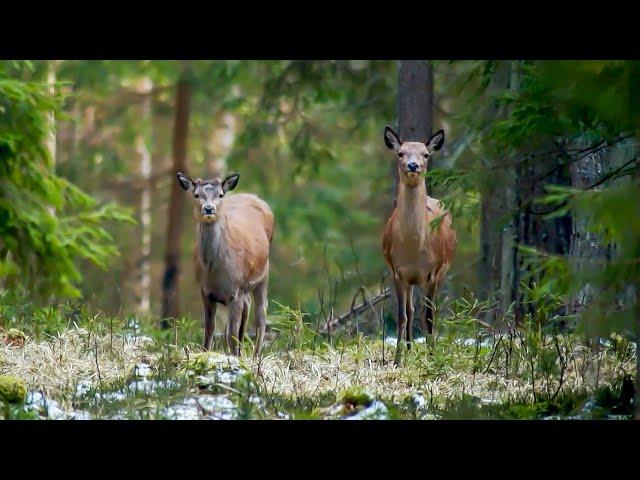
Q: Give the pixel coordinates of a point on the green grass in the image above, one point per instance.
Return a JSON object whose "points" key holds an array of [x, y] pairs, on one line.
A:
{"points": [[86, 364]]}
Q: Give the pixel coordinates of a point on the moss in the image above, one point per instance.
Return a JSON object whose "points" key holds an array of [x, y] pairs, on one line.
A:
{"points": [[15, 337], [207, 361], [355, 396], [12, 389]]}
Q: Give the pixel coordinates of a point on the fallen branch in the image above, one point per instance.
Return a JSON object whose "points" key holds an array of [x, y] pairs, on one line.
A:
{"points": [[359, 309]]}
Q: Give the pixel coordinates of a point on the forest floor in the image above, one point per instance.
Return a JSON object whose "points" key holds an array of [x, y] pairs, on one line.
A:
{"points": [[101, 370]]}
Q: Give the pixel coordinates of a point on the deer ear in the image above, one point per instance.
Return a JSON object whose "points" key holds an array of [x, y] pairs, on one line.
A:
{"points": [[185, 182], [436, 141], [230, 182], [391, 139]]}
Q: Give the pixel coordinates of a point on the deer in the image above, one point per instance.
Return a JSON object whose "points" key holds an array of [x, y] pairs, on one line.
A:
{"points": [[231, 256], [416, 251]]}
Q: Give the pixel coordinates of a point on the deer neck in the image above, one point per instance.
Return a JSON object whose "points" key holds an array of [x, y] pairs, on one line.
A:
{"points": [[412, 202], [210, 242]]}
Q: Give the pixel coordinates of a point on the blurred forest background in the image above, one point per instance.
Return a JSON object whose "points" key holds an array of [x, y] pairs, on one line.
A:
{"points": [[539, 169]]}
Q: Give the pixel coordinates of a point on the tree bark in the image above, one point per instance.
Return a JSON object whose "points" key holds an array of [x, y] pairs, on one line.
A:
{"points": [[170, 284], [585, 247], [588, 251], [143, 149], [508, 259], [220, 145], [415, 106], [415, 120], [492, 206], [529, 176], [51, 130], [51, 120]]}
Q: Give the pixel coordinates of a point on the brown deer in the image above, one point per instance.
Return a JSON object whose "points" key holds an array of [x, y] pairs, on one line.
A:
{"points": [[231, 256], [416, 251]]}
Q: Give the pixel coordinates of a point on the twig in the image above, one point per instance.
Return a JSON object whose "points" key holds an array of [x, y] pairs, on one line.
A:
{"points": [[97, 364], [359, 308]]}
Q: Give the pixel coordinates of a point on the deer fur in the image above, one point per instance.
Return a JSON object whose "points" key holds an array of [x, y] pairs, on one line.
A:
{"points": [[416, 252], [231, 256]]}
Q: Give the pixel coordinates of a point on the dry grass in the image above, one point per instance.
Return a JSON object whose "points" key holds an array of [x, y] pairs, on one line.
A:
{"points": [[57, 364], [299, 374]]}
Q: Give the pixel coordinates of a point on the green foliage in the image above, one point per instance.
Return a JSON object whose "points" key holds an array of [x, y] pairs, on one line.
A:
{"points": [[47, 225]]}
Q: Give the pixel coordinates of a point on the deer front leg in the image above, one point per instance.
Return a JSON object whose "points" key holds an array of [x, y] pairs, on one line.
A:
{"points": [[209, 318], [233, 324], [401, 292], [410, 311]]}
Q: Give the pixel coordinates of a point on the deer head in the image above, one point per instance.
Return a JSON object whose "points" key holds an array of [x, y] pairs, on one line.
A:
{"points": [[412, 156], [208, 194]]}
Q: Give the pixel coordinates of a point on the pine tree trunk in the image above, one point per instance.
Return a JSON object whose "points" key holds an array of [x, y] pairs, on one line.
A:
{"points": [[508, 266], [415, 121], [492, 206], [415, 105], [587, 250], [170, 285], [143, 149], [585, 247]]}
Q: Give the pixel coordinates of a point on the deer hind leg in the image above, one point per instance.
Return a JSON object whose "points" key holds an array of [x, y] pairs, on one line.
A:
{"points": [[429, 310], [410, 311], [209, 318], [245, 315], [401, 292], [233, 324], [260, 300]]}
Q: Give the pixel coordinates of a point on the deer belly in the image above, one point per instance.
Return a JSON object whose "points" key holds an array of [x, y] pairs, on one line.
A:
{"points": [[419, 271], [223, 290]]}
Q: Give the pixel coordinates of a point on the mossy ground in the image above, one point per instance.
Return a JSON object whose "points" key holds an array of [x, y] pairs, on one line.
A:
{"points": [[99, 370]]}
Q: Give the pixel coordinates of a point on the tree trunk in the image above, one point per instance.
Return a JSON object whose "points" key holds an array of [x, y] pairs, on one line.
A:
{"points": [[415, 120], [492, 205], [415, 106], [220, 145], [143, 149], [587, 250], [508, 258], [51, 120], [529, 176], [585, 247], [170, 285]]}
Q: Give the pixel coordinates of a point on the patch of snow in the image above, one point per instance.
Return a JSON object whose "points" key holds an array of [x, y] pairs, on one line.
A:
{"points": [[376, 411]]}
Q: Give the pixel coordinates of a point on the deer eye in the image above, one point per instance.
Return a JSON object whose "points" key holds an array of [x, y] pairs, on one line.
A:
{"points": [[220, 195], [196, 196], [400, 154]]}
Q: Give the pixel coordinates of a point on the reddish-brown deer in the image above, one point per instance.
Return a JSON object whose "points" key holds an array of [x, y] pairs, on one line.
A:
{"points": [[418, 243], [231, 256]]}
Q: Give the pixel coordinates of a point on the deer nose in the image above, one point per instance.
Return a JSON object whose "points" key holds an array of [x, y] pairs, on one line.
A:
{"points": [[412, 166], [208, 209]]}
